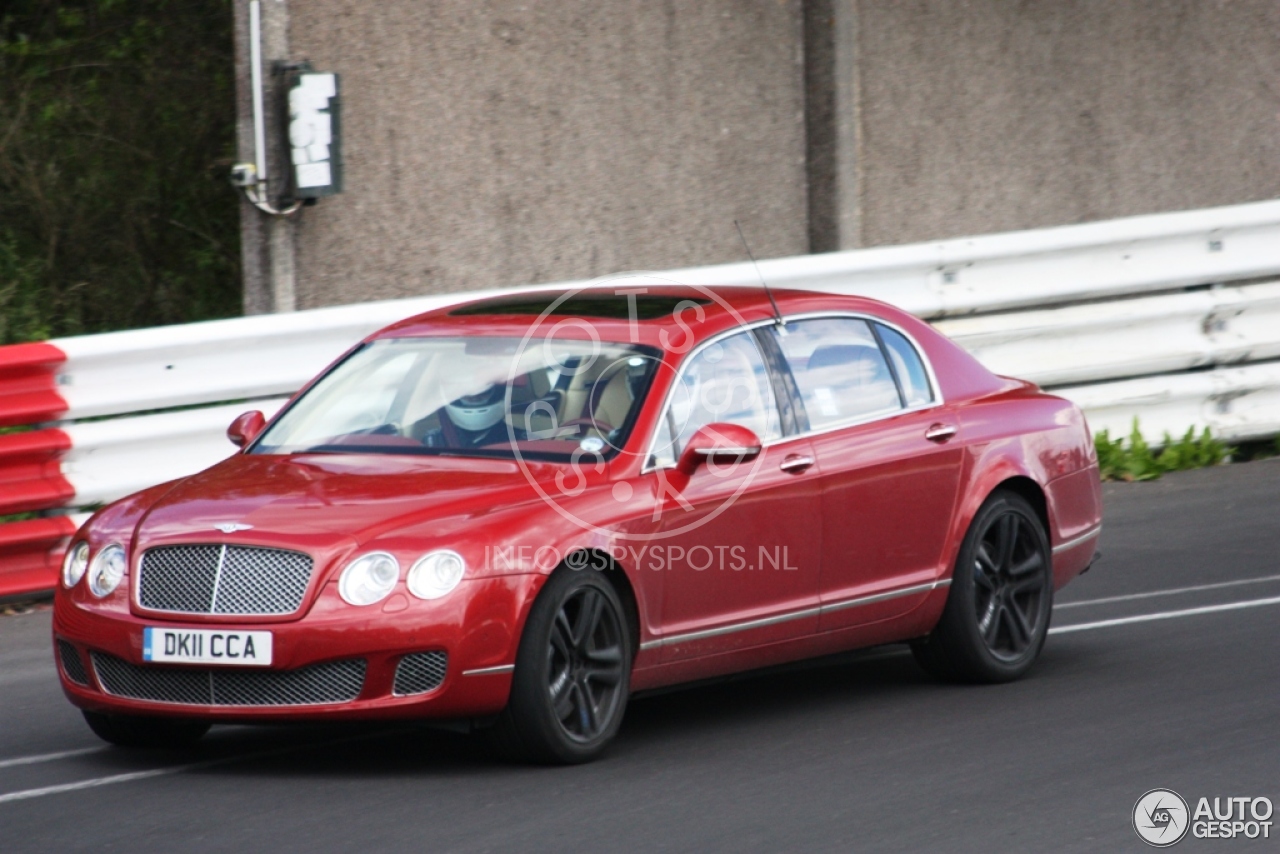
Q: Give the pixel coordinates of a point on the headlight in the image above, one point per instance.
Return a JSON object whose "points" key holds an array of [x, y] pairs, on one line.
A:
{"points": [[74, 564], [106, 570], [436, 574], [369, 579]]}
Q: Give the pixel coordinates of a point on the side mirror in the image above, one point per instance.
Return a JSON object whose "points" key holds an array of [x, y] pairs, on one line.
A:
{"points": [[721, 443], [246, 428]]}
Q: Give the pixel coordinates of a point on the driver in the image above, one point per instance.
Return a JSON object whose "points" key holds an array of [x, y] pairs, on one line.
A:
{"points": [[473, 421]]}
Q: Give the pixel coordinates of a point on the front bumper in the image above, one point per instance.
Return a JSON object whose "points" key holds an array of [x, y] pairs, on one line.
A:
{"points": [[477, 628]]}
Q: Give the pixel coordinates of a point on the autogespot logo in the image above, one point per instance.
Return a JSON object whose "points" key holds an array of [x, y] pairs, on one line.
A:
{"points": [[1160, 817], [687, 400]]}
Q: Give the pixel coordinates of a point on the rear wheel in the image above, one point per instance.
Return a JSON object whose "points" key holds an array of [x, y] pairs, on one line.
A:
{"points": [[136, 731], [997, 614], [572, 676]]}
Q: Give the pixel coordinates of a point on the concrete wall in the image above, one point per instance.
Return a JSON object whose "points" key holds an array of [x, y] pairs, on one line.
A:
{"points": [[991, 115], [495, 142]]}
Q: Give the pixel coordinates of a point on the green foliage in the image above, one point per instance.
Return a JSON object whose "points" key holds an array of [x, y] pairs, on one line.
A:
{"points": [[1138, 461], [117, 118], [1192, 452]]}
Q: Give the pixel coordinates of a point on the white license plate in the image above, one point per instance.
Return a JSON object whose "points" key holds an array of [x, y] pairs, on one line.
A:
{"points": [[206, 646]]}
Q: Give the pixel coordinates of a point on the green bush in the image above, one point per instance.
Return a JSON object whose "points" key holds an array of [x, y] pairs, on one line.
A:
{"points": [[1138, 461], [117, 118]]}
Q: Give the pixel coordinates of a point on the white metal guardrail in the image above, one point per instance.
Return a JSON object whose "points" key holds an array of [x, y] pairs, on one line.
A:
{"points": [[1173, 318]]}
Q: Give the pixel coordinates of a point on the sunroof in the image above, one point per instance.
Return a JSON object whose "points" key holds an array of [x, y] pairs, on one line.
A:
{"points": [[609, 306]]}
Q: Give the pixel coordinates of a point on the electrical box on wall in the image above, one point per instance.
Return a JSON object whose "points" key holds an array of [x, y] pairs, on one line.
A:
{"points": [[315, 135]]}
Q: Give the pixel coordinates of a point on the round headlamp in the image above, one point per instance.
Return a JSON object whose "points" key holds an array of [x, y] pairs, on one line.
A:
{"points": [[74, 564], [369, 578], [106, 570], [436, 574]]}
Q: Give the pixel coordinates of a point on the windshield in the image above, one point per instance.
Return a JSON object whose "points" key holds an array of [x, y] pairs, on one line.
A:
{"points": [[548, 400]]}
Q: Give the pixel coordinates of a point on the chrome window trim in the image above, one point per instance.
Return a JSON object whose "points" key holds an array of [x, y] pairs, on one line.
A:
{"points": [[825, 608], [882, 415]]}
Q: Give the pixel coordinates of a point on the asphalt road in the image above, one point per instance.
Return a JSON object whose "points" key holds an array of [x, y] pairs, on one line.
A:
{"points": [[857, 753]]}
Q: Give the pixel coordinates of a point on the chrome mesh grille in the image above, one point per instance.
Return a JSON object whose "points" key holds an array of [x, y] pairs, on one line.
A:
{"points": [[72, 666], [215, 579], [332, 682], [160, 684], [179, 578], [420, 672]]}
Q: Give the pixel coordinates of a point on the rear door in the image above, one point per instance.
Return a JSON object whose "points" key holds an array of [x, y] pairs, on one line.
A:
{"points": [[890, 461]]}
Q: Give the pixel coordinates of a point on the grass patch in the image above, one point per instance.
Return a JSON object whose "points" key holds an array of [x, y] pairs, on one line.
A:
{"points": [[1135, 459]]}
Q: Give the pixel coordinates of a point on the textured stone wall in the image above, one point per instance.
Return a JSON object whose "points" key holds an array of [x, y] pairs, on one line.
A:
{"points": [[990, 115], [491, 142]]}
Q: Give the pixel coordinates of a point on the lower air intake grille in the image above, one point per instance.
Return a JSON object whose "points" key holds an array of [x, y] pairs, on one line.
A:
{"points": [[334, 682], [72, 666], [420, 672]]}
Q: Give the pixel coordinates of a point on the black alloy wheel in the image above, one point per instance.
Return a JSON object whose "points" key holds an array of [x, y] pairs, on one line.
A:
{"points": [[573, 673], [584, 664], [997, 614], [1009, 588]]}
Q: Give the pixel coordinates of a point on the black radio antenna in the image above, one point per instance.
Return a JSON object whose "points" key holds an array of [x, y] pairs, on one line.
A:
{"points": [[776, 314]]}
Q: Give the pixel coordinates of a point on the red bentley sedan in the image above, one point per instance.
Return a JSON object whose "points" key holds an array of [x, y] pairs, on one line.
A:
{"points": [[517, 511]]}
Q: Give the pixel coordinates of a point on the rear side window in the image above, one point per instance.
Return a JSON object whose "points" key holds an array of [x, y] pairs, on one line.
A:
{"points": [[908, 365], [839, 368]]}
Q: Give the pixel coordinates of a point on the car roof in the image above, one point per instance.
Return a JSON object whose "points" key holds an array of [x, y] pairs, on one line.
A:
{"points": [[643, 315], [700, 312]]}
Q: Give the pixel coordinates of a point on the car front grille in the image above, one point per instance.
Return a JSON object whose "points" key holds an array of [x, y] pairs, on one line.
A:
{"points": [[72, 666], [332, 682], [420, 672], [220, 579]]}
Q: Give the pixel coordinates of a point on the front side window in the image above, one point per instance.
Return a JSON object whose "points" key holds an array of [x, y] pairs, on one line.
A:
{"points": [[839, 368], [725, 382], [550, 400]]}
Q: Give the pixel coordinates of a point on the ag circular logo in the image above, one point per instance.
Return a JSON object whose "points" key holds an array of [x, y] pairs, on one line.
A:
{"points": [[1160, 817]]}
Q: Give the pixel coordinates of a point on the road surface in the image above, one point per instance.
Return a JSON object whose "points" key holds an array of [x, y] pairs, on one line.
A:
{"points": [[1163, 671]]}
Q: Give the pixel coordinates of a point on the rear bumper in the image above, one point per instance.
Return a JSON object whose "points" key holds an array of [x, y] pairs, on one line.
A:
{"points": [[477, 628], [1075, 511]]}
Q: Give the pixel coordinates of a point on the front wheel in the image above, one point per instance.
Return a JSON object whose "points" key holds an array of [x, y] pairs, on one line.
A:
{"points": [[136, 731], [997, 614], [572, 676]]}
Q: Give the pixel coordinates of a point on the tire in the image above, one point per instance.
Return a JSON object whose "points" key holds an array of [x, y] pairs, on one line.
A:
{"points": [[997, 614], [572, 675], [135, 731]]}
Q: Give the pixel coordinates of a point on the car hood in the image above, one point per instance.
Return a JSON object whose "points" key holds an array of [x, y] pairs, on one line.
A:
{"points": [[321, 501]]}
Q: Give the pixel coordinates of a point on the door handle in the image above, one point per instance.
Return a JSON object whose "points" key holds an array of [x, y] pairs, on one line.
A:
{"points": [[939, 432], [796, 463]]}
